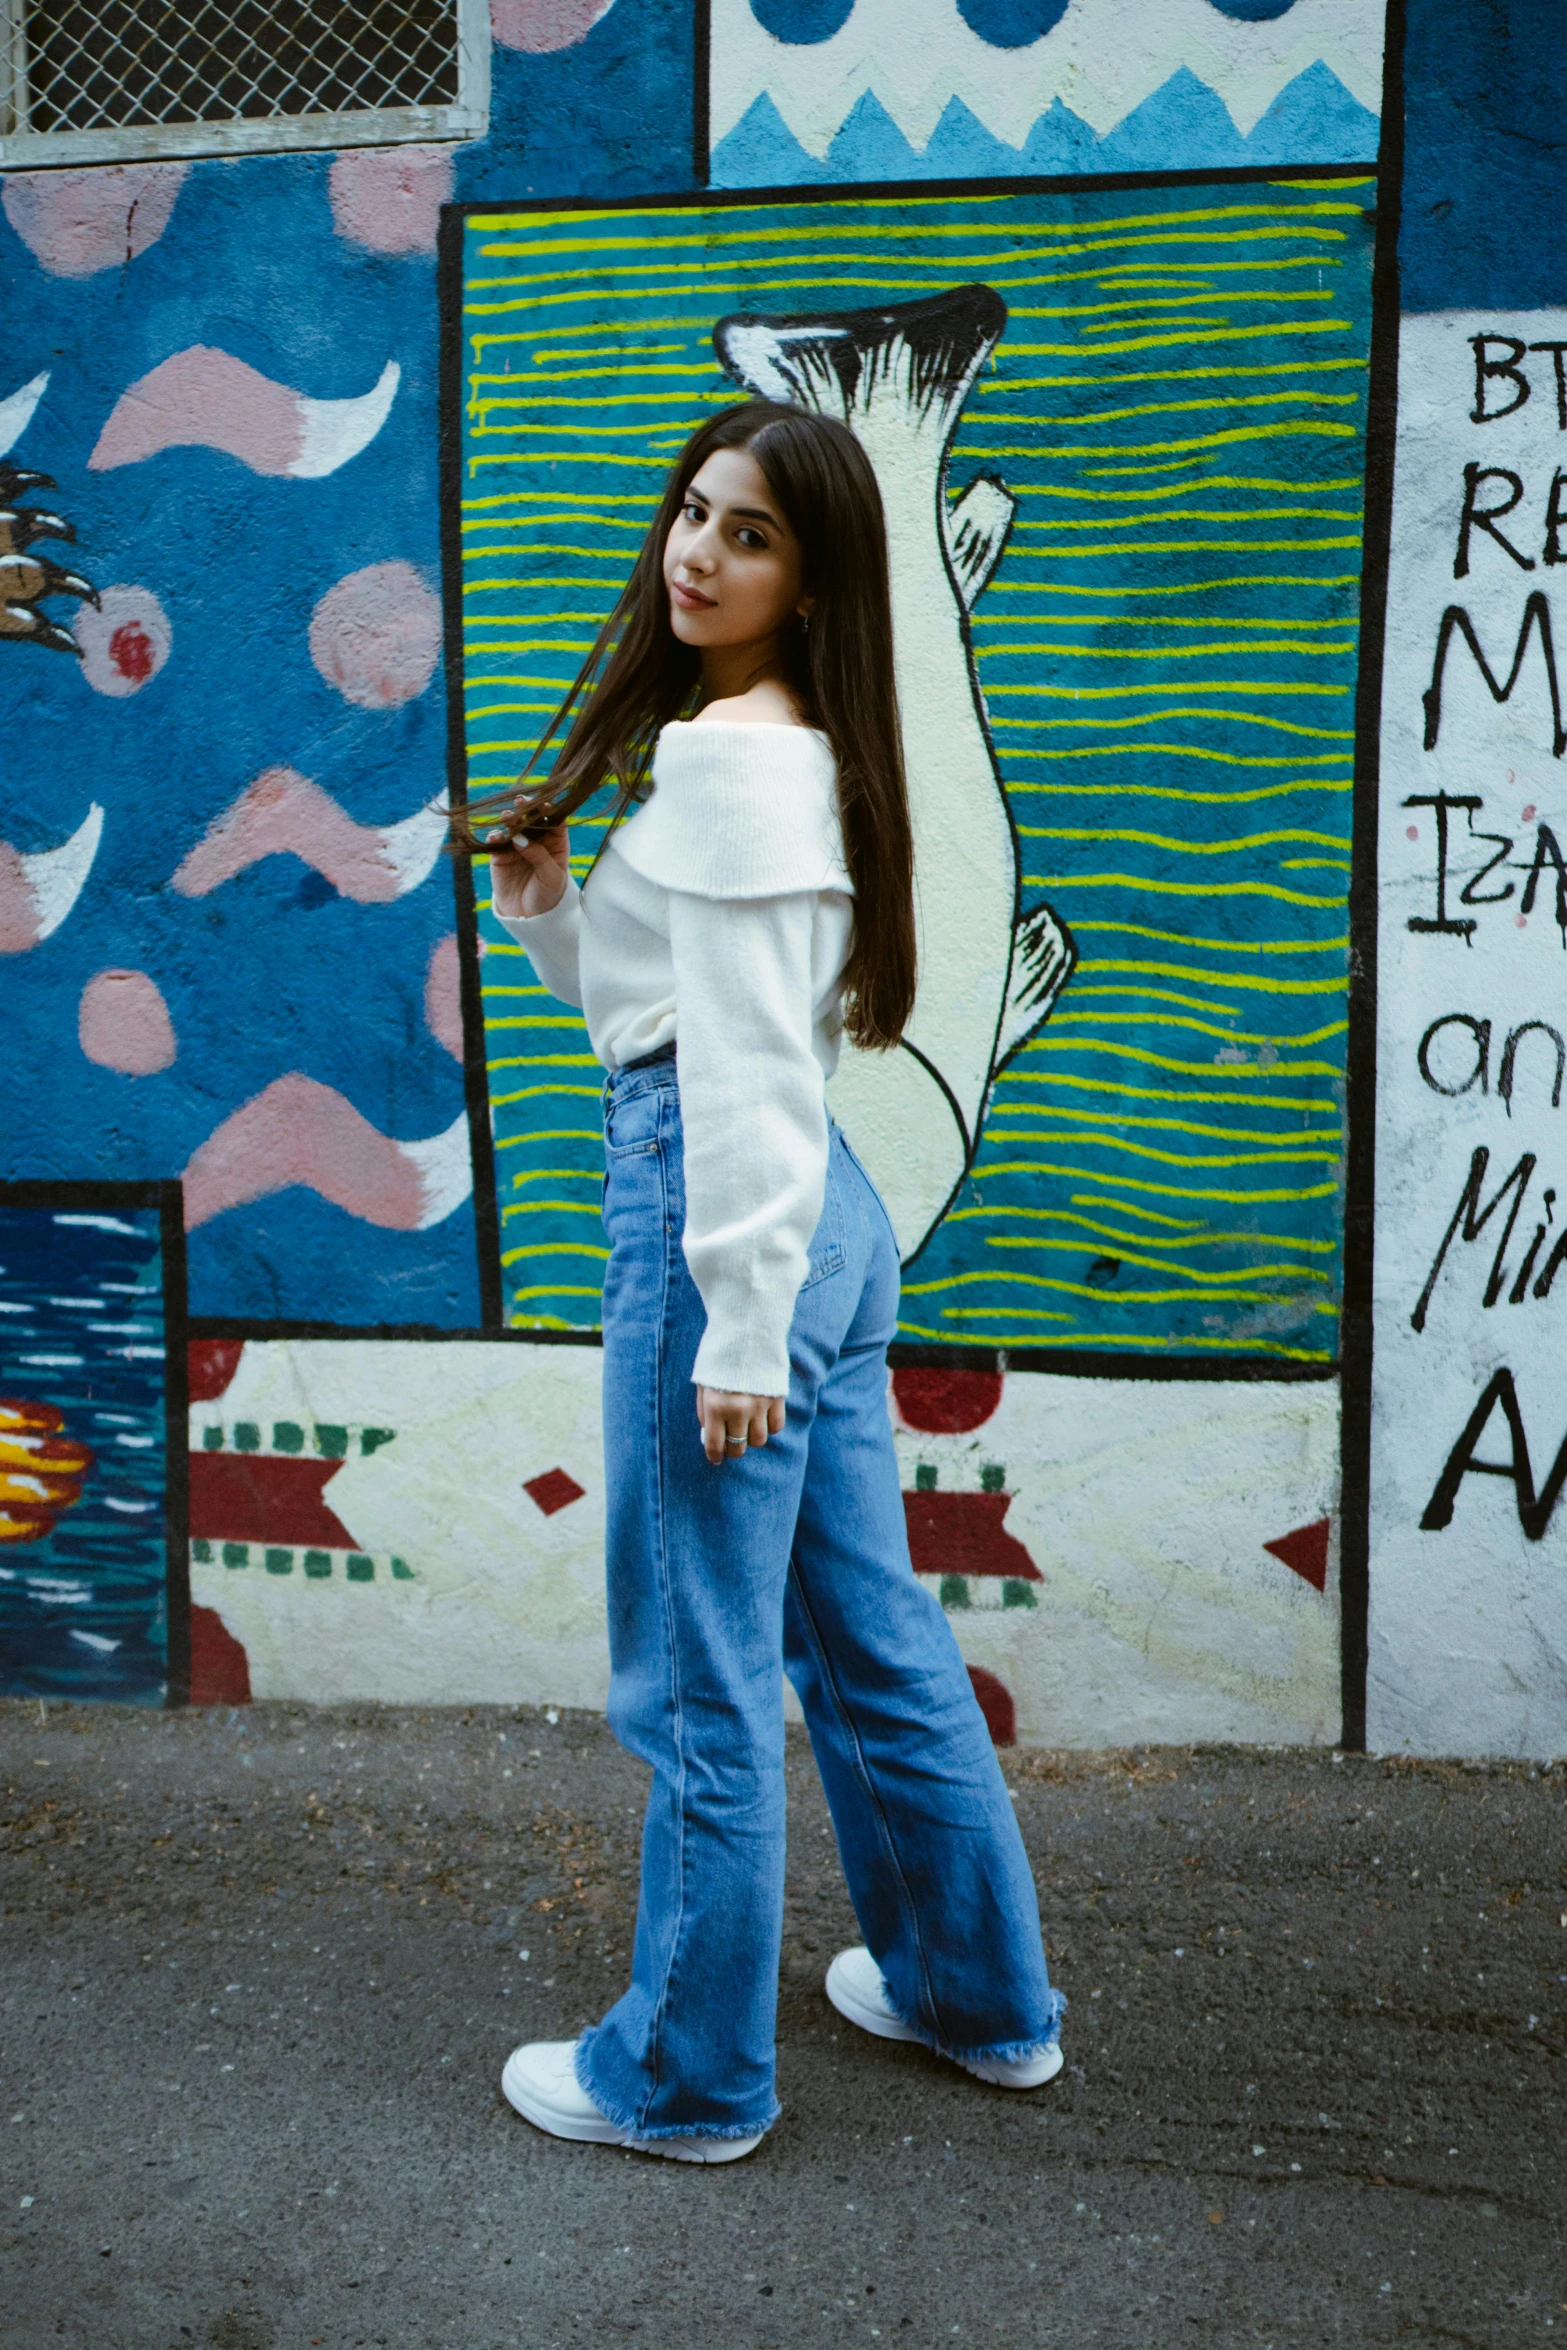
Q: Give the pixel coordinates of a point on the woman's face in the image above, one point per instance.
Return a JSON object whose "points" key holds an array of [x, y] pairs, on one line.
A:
{"points": [[732, 565]]}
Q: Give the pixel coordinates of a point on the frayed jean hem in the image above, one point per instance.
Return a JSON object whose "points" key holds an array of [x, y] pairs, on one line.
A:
{"points": [[997, 2051], [638, 2134]]}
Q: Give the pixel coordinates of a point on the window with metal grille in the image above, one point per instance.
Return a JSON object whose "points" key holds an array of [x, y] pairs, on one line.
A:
{"points": [[113, 80]]}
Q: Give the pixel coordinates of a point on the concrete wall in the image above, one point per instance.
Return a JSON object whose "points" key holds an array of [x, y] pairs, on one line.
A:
{"points": [[303, 1163]]}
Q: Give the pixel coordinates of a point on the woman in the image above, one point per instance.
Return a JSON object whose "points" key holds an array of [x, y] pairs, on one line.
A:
{"points": [[757, 902]]}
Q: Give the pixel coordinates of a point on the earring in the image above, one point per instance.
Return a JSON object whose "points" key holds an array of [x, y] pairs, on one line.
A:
{"points": [[805, 624]]}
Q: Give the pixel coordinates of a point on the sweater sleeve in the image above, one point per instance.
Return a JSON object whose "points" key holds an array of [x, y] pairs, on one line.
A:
{"points": [[755, 1121], [551, 942]]}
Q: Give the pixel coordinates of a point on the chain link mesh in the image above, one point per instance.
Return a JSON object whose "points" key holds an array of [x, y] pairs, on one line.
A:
{"points": [[85, 65]]}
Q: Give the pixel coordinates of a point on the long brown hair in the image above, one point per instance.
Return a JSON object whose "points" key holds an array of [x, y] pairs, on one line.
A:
{"points": [[639, 675]]}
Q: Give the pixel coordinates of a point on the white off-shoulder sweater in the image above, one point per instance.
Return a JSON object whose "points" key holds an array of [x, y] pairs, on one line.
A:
{"points": [[720, 915]]}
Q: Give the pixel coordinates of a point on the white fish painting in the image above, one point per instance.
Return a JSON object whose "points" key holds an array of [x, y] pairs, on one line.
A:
{"points": [[989, 974]]}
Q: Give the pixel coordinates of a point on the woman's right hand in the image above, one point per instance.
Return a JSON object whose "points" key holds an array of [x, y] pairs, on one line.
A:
{"points": [[528, 877]]}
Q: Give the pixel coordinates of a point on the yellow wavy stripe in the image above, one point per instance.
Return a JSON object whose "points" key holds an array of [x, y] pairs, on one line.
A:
{"points": [[1168, 514], [1211, 1284], [1160, 1093], [1147, 1150], [1190, 587], [1068, 1018], [1101, 722], [1163, 620], [1299, 428], [1291, 689], [556, 1174], [1129, 1341], [1188, 848], [1170, 791], [1333, 985], [551, 498], [1144, 994], [1317, 652], [558, 1248], [1111, 1049], [1225, 375], [537, 1020], [487, 224], [546, 1061], [535, 1134], [561, 1207], [1178, 889], [1129, 1297], [1010, 1109], [1179, 1236], [1178, 547], [1242, 1199], [1219, 946], [1075, 494], [550, 1289]]}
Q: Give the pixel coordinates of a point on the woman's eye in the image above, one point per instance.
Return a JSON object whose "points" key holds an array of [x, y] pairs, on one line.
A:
{"points": [[752, 538]]}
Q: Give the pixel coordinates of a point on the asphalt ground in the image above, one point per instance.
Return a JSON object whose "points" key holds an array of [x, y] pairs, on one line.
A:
{"points": [[261, 1969]]}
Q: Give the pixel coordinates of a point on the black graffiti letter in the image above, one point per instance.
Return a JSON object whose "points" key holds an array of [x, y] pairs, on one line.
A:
{"points": [[1486, 368], [1554, 519], [1442, 923], [1472, 894], [1510, 1055], [1534, 1512], [1556, 350], [1486, 518], [1474, 1219], [1536, 614], [1546, 852], [1480, 1074]]}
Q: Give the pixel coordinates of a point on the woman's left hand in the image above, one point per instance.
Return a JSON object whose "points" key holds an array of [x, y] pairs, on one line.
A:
{"points": [[731, 1423]]}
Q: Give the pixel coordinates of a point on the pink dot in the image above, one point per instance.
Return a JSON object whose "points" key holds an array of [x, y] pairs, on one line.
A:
{"points": [[1528, 815], [376, 635], [1522, 921], [543, 25], [123, 1023], [1411, 832], [124, 642]]}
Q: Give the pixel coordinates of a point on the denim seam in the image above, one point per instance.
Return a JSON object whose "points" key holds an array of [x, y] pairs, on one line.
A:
{"points": [[998, 2051], [824, 1666], [655, 2036]]}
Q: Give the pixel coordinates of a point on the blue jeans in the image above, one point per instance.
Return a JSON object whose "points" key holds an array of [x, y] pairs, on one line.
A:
{"points": [[793, 1558]]}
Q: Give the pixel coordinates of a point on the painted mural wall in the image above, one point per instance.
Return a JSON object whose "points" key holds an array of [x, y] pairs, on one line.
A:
{"points": [[318, 472]]}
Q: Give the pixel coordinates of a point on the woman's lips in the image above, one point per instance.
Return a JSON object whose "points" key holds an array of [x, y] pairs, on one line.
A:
{"points": [[690, 599]]}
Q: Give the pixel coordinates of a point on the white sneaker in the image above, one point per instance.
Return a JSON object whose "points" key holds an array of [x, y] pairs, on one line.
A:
{"points": [[855, 1987], [540, 2080]]}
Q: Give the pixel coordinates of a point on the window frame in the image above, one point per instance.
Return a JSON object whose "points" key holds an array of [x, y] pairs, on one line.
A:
{"points": [[467, 117]]}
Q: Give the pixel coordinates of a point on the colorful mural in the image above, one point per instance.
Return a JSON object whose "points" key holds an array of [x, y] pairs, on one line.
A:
{"points": [[89, 1281], [807, 91], [1112, 295], [1122, 473]]}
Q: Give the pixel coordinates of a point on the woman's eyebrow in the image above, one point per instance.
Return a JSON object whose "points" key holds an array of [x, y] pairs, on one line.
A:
{"points": [[756, 514]]}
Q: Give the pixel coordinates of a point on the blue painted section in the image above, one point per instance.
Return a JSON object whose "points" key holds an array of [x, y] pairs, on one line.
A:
{"points": [[1485, 156], [1184, 126], [1011, 24], [273, 972], [610, 117], [82, 1608], [802, 22]]}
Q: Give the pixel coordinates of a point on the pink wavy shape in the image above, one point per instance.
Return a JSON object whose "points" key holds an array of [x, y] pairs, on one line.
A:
{"points": [[299, 1131], [207, 399], [284, 814]]}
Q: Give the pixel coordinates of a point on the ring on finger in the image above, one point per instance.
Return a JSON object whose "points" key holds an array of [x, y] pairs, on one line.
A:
{"points": [[734, 1444]]}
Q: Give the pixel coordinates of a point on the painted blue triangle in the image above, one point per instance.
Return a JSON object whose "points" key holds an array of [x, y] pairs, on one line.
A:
{"points": [[1182, 126]]}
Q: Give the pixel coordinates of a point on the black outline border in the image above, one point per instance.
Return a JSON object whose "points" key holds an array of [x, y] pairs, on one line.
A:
{"points": [[1066, 1362], [167, 1196], [1356, 1324], [476, 1089]]}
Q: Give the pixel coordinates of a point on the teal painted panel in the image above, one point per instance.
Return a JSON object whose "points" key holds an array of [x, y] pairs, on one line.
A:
{"points": [[1159, 676]]}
